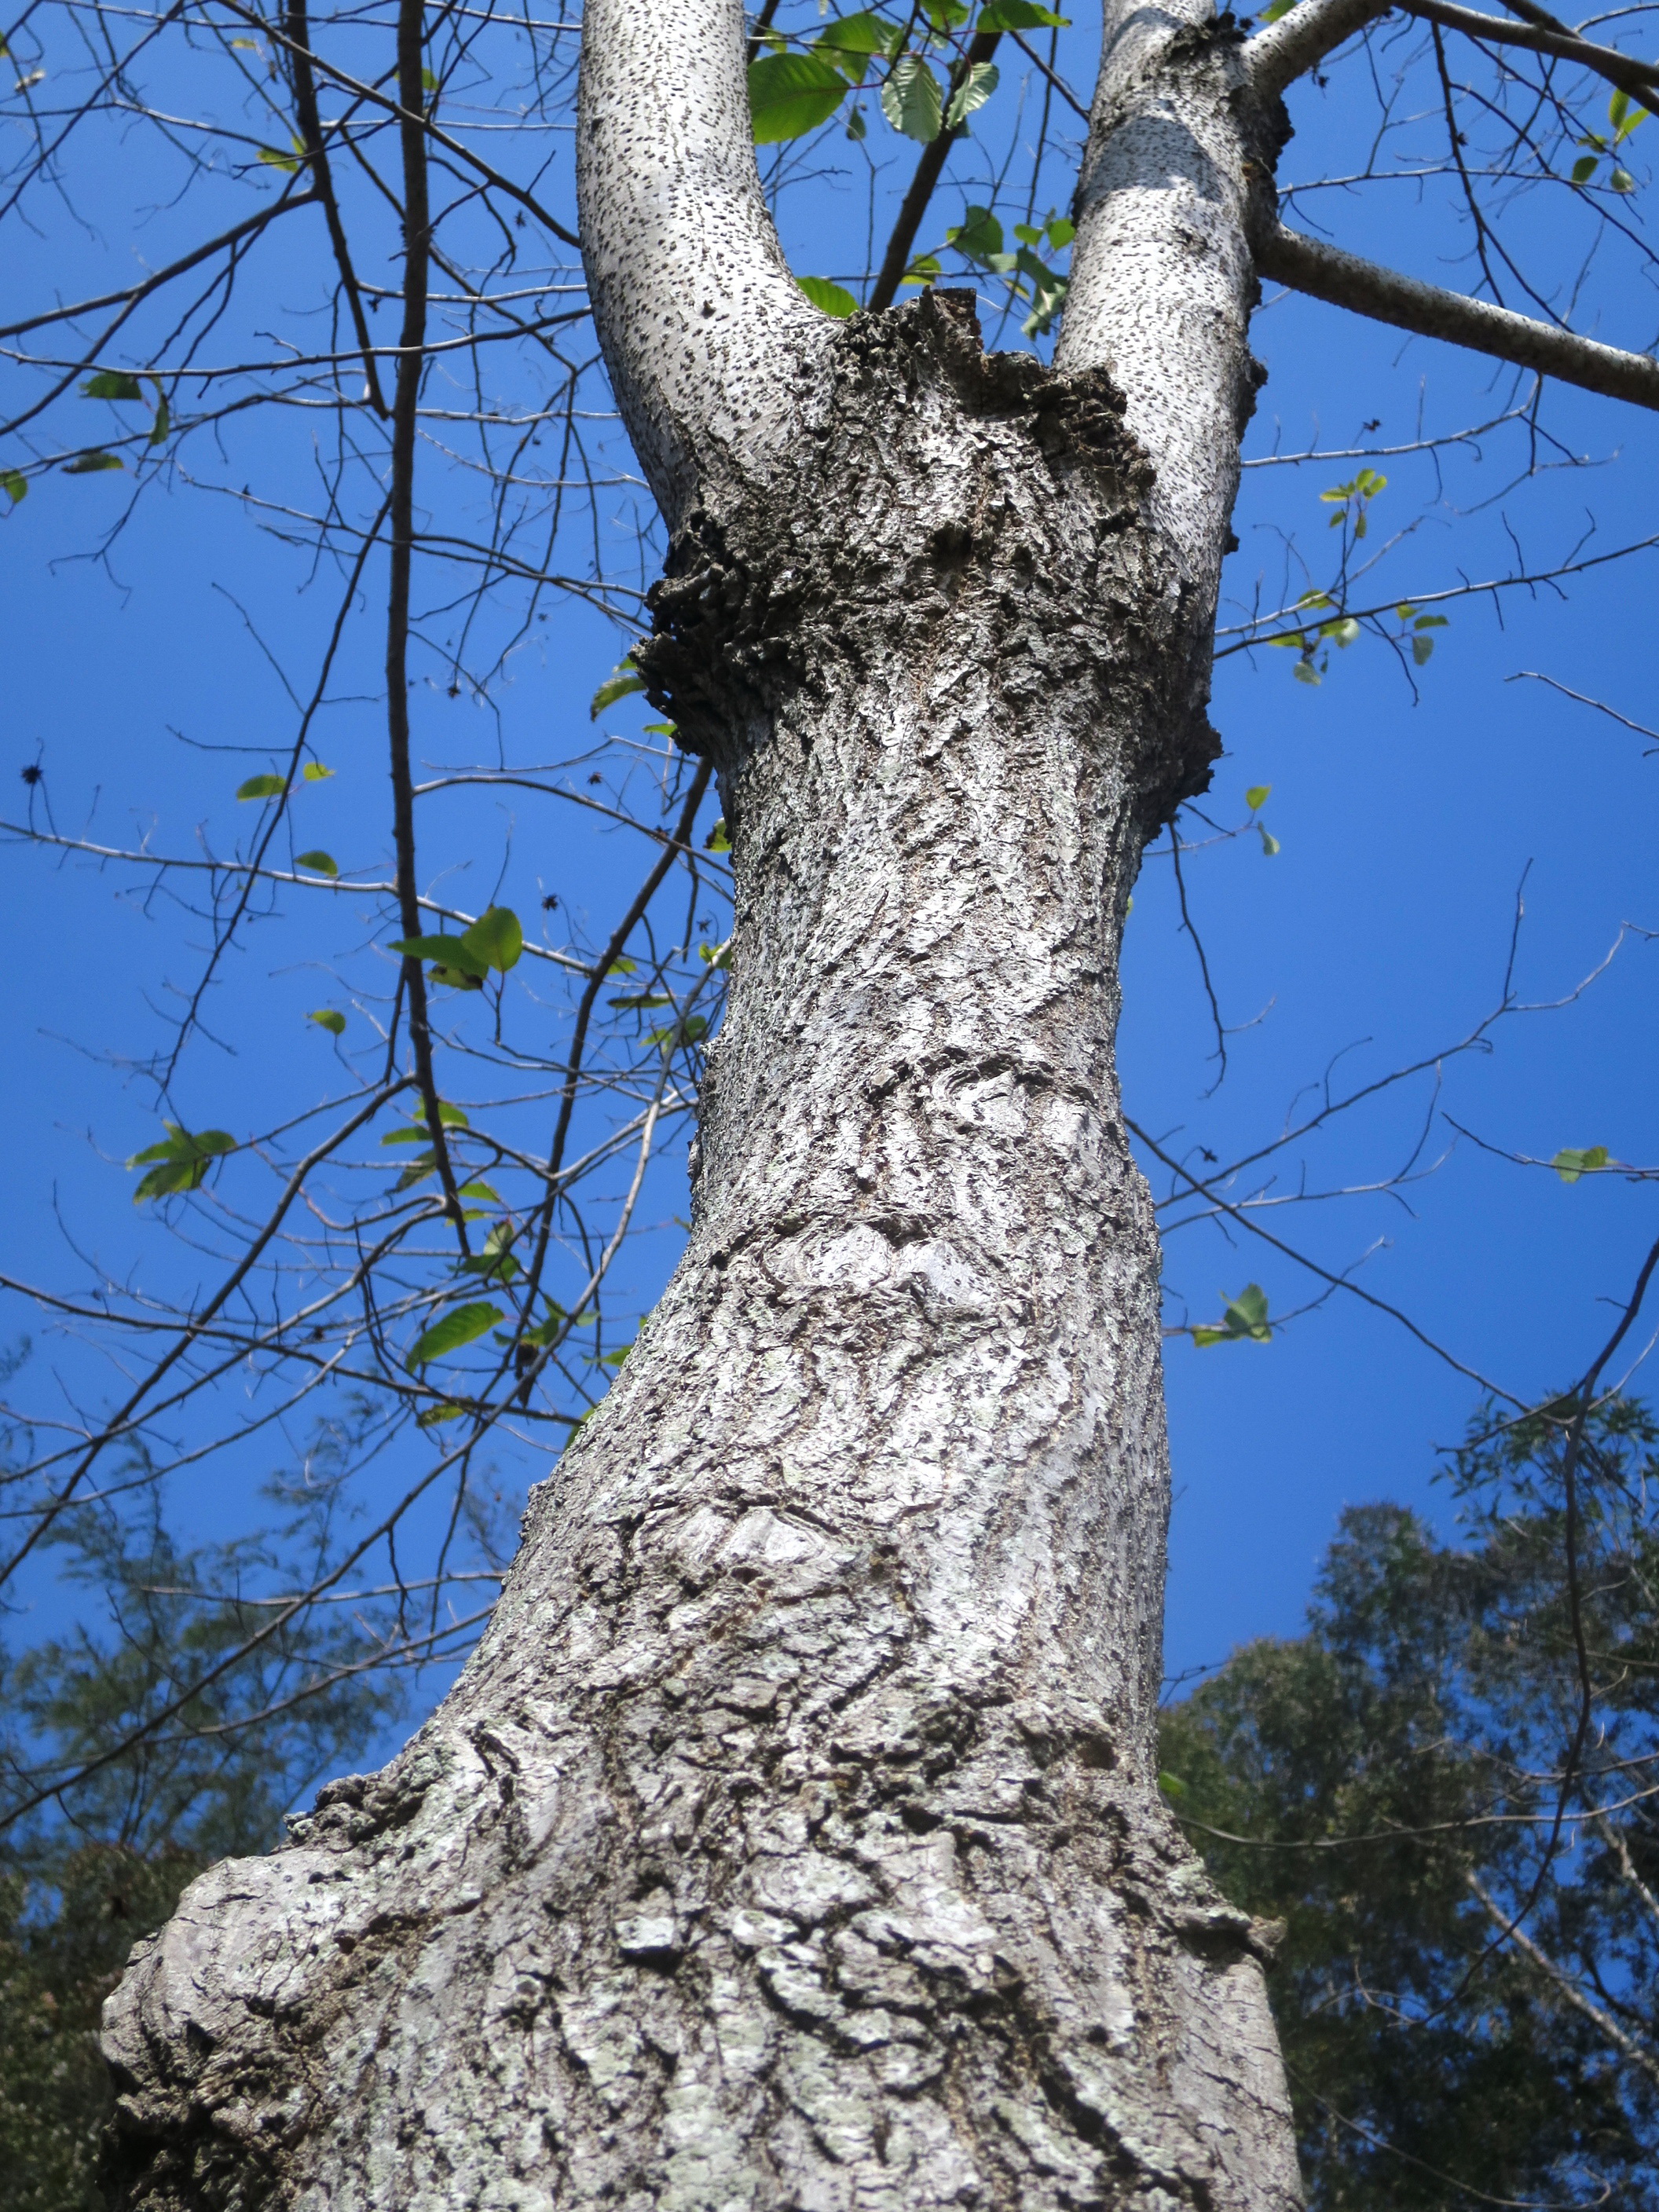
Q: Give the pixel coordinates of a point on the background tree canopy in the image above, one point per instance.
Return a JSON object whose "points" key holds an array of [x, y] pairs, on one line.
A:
{"points": [[1446, 1792]]}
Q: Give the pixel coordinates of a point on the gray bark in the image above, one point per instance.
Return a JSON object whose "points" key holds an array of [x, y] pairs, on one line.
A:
{"points": [[792, 1839]]}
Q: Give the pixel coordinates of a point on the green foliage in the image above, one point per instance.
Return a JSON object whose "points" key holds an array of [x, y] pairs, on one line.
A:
{"points": [[112, 384], [15, 484], [624, 679], [853, 43], [1352, 500], [790, 95], [979, 238], [1570, 1165], [1409, 1748], [319, 863], [831, 299], [912, 100], [263, 786], [971, 95], [1623, 117], [92, 464], [1019, 15], [495, 941], [1244, 1319], [210, 1773], [460, 1326], [326, 1019], [183, 1161]]}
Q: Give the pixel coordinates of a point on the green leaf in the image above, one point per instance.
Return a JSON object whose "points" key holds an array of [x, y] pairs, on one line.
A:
{"points": [[851, 43], [622, 965], [163, 423], [790, 95], [1585, 167], [112, 384], [830, 299], [1274, 10], [414, 1133], [911, 100], [276, 160], [417, 1171], [1622, 181], [1570, 1163], [1624, 116], [978, 235], [1422, 647], [495, 938], [451, 1117], [429, 81], [623, 679], [263, 786], [719, 839], [971, 95], [1344, 630], [449, 1411], [320, 863], [716, 955], [1431, 621], [1019, 15], [478, 1189], [857, 128], [925, 269], [1269, 842], [184, 1161], [1305, 672], [452, 952], [315, 772], [1258, 795], [1172, 1786], [462, 1325], [326, 1019], [643, 999], [14, 485], [1244, 1318], [92, 465], [1062, 231], [616, 1358]]}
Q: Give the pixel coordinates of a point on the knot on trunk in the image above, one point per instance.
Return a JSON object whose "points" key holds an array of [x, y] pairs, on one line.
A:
{"points": [[937, 497]]}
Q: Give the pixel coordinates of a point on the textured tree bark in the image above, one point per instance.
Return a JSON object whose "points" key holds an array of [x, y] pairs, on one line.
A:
{"points": [[792, 1839]]}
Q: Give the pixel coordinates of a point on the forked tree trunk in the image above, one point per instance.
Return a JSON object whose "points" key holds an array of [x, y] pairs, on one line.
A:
{"points": [[792, 1839]]}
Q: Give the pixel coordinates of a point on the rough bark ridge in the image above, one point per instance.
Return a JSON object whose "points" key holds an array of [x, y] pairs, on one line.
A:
{"points": [[792, 1839]]}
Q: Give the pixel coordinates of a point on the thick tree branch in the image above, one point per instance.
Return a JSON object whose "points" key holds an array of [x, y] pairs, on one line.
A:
{"points": [[929, 169], [707, 337], [1431, 311], [1298, 42], [1638, 78]]}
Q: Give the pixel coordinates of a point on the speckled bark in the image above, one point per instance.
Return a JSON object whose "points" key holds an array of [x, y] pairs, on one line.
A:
{"points": [[793, 1840]]}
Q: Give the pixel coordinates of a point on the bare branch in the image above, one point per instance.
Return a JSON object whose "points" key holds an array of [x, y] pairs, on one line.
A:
{"points": [[1344, 280]]}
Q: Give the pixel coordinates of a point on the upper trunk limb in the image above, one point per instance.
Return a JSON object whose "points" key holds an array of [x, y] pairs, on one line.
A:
{"points": [[1161, 279], [1300, 40], [706, 334]]}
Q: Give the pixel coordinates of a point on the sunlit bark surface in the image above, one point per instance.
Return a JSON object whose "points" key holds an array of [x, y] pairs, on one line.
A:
{"points": [[792, 1839]]}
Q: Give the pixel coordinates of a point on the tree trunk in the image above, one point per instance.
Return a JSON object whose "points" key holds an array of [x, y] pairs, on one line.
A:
{"points": [[792, 1839]]}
